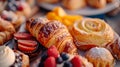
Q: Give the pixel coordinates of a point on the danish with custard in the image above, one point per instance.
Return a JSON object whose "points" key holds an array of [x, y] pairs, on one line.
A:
{"points": [[51, 32], [90, 32], [100, 57]]}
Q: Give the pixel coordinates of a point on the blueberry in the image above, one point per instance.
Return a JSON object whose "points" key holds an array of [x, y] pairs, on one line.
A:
{"points": [[41, 64], [8, 19], [44, 57], [11, 7], [59, 60], [67, 64], [64, 56]]}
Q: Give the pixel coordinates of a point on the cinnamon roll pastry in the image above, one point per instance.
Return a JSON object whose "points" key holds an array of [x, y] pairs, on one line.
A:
{"points": [[74, 4], [97, 3], [51, 32], [100, 57], [6, 31], [90, 32]]}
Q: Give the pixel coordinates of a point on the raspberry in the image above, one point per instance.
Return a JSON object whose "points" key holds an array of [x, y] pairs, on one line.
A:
{"points": [[76, 61], [52, 51], [50, 62]]}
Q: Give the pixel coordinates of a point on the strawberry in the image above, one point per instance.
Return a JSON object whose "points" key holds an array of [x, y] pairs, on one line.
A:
{"points": [[76, 61], [20, 8], [52, 51], [22, 35], [50, 62], [26, 48], [28, 43]]}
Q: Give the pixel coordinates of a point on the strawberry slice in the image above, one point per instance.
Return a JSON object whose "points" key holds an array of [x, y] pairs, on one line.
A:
{"points": [[26, 48], [28, 43], [22, 35]]}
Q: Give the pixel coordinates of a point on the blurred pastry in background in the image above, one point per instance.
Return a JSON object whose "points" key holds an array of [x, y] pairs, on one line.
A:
{"points": [[100, 57], [3, 3], [110, 1], [89, 33], [97, 3], [15, 19], [19, 7], [74, 4], [48, 1]]}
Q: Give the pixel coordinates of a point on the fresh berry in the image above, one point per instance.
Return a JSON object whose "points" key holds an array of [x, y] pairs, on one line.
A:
{"points": [[26, 48], [41, 64], [44, 57], [11, 7], [50, 62], [29, 43], [52, 51], [76, 61], [64, 56], [21, 35], [59, 60], [67, 64], [3, 16], [20, 7]]}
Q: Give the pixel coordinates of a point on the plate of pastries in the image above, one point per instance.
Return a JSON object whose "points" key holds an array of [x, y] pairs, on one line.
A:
{"points": [[82, 7], [55, 40]]}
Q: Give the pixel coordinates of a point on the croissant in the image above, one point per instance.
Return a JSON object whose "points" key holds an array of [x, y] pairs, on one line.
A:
{"points": [[51, 32], [6, 31], [89, 33]]}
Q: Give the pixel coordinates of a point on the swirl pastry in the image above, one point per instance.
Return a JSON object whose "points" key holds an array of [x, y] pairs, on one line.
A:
{"points": [[74, 4], [16, 58], [6, 31], [15, 19], [97, 3], [100, 57], [51, 32], [90, 32]]}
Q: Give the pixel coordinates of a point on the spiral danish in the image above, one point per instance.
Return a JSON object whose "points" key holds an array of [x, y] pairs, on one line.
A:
{"points": [[89, 33]]}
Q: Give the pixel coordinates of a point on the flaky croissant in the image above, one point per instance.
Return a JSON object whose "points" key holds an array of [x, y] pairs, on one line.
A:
{"points": [[51, 32], [90, 32], [6, 31]]}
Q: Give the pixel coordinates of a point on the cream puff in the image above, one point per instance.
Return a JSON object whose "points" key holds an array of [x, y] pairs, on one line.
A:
{"points": [[100, 57], [10, 58]]}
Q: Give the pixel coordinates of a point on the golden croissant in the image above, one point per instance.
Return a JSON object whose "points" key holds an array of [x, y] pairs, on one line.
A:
{"points": [[90, 32], [51, 32]]}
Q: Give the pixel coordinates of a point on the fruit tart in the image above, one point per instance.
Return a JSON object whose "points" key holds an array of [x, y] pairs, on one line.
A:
{"points": [[10, 58], [19, 7], [88, 33], [15, 19], [52, 58], [100, 57]]}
